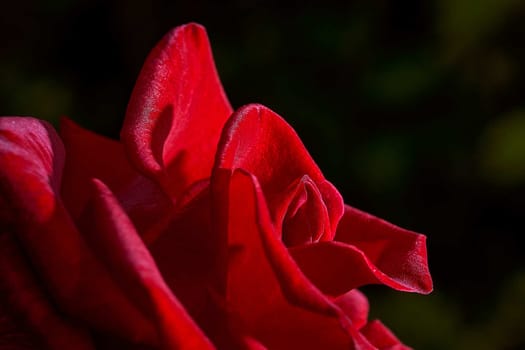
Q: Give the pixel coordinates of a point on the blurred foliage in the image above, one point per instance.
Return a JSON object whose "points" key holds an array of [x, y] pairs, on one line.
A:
{"points": [[414, 109], [502, 151]]}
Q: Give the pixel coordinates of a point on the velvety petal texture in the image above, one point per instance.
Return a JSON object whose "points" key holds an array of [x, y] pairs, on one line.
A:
{"points": [[176, 111], [202, 228]]}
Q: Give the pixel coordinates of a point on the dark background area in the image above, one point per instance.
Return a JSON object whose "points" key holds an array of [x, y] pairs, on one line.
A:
{"points": [[415, 110]]}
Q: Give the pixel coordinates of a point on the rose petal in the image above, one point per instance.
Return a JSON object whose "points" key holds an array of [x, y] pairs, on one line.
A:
{"points": [[355, 305], [398, 253], [177, 111], [266, 294], [113, 237], [23, 297], [382, 337], [306, 217], [93, 156], [31, 156], [336, 268], [187, 253], [261, 142], [31, 162]]}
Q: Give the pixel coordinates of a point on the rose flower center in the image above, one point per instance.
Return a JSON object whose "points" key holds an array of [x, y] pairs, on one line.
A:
{"points": [[306, 219]]}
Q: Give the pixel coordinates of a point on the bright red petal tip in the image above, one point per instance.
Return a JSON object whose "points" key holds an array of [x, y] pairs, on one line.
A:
{"points": [[367, 250], [176, 111], [400, 254]]}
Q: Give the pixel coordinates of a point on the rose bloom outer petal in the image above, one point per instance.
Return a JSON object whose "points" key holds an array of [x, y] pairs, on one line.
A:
{"points": [[267, 296], [259, 141], [93, 156], [382, 337], [366, 250], [176, 111], [336, 268], [117, 244], [398, 253], [31, 158], [355, 305]]}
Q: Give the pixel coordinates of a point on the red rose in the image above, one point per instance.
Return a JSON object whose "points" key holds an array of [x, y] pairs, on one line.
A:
{"points": [[200, 229]]}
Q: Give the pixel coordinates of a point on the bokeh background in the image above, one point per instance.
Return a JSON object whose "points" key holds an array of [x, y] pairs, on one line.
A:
{"points": [[414, 109]]}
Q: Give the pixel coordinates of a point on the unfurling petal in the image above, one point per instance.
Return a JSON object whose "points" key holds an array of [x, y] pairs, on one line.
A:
{"points": [[259, 141]]}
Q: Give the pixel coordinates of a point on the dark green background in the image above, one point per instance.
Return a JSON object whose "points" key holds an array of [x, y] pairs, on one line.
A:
{"points": [[414, 109]]}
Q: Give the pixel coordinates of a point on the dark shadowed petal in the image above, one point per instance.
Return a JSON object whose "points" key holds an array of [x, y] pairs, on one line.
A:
{"points": [[117, 244], [177, 111], [261, 142], [89, 156], [381, 337], [398, 253], [36, 322], [186, 253], [14, 336], [31, 157], [267, 296]]}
